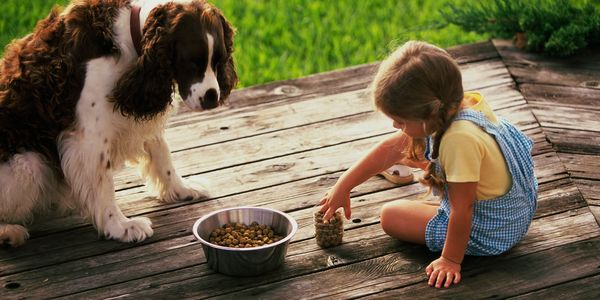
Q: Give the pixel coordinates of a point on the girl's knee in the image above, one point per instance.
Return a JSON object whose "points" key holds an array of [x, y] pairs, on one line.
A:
{"points": [[392, 213], [395, 207], [406, 220]]}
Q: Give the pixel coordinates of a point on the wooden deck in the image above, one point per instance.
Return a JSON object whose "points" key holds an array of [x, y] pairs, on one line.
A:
{"points": [[283, 145]]}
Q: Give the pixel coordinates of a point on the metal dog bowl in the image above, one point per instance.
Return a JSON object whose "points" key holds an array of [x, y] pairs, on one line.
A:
{"points": [[245, 261]]}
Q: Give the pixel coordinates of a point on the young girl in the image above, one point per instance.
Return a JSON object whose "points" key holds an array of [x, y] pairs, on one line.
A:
{"points": [[479, 165]]}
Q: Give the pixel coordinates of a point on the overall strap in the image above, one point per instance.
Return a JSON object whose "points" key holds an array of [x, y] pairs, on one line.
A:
{"points": [[466, 114], [478, 118]]}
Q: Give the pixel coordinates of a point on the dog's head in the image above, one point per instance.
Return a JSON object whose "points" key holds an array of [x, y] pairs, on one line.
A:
{"points": [[187, 42]]}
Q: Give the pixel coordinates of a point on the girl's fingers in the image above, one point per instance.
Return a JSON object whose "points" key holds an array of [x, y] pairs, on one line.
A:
{"points": [[432, 277], [323, 201], [428, 270], [457, 278], [347, 212], [440, 279], [328, 214], [324, 207], [449, 278]]}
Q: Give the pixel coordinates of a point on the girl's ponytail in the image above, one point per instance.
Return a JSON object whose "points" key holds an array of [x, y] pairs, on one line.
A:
{"points": [[445, 115]]}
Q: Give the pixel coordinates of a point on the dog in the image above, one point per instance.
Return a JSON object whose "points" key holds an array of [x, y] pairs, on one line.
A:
{"points": [[90, 89]]}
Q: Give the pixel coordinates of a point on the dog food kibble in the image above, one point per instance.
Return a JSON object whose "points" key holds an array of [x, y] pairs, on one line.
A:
{"points": [[240, 235], [329, 233]]}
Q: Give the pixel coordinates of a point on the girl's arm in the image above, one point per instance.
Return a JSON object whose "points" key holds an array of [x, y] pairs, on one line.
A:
{"points": [[462, 197], [446, 269], [379, 158]]}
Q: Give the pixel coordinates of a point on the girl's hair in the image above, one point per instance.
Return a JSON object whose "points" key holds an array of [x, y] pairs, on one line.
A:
{"points": [[420, 82]]}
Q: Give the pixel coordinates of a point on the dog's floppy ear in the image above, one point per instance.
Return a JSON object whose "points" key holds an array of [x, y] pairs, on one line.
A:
{"points": [[145, 90], [226, 74]]}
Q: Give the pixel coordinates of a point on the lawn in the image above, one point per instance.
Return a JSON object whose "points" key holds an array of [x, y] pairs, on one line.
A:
{"points": [[284, 39]]}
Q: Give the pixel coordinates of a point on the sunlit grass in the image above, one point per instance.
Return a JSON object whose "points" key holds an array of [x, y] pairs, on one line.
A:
{"points": [[18, 17], [284, 39]]}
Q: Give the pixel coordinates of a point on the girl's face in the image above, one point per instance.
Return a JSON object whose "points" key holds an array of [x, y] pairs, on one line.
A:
{"points": [[413, 128]]}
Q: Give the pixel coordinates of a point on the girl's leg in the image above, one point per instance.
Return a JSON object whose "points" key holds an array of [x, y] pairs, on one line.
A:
{"points": [[406, 220]]}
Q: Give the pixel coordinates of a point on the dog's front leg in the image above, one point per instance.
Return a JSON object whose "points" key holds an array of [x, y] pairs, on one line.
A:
{"points": [[89, 171], [158, 169]]}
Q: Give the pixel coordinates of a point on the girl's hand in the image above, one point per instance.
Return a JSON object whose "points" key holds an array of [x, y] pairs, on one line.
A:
{"points": [[443, 271], [333, 200]]}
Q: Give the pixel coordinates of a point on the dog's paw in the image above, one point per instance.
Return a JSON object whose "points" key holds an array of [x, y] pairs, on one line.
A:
{"points": [[13, 235], [130, 230], [194, 190]]}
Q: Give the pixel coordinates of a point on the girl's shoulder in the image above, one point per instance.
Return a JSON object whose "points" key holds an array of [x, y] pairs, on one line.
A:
{"points": [[477, 102], [463, 134]]}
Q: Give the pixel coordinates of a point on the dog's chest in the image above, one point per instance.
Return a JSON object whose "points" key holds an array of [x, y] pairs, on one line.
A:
{"points": [[95, 112], [100, 124]]}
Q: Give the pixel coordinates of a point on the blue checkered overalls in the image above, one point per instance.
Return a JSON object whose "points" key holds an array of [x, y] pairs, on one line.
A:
{"points": [[498, 224]]}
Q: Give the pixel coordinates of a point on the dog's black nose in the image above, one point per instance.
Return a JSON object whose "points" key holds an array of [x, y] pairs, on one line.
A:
{"points": [[210, 99]]}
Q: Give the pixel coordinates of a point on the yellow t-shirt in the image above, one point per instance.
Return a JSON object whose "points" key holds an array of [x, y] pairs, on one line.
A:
{"points": [[469, 154]]}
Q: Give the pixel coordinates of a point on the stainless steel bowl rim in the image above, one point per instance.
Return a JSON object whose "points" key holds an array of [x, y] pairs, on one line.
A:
{"points": [[209, 244]]}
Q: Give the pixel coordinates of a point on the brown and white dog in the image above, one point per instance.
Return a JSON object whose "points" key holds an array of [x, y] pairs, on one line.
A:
{"points": [[90, 89]]}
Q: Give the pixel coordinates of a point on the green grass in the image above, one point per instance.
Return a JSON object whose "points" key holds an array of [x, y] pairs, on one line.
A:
{"points": [[284, 39], [18, 17]]}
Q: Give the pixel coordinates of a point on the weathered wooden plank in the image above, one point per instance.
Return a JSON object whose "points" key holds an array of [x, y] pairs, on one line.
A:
{"points": [[582, 288], [290, 196], [557, 106], [501, 97], [548, 167], [596, 211], [293, 140], [581, 70], [278, 143], [308, 164], [513, 277], [140, 200], [540, 141], [176, 283], [581, 166], [304, 257], [585, 172], [223, 124], [563, 117], [235, 124], [574, 140], [555, 196], [165, 231], [590, 190], [82, 273], [567, 96], [356, 276], [473, 52], [176, 225]]}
